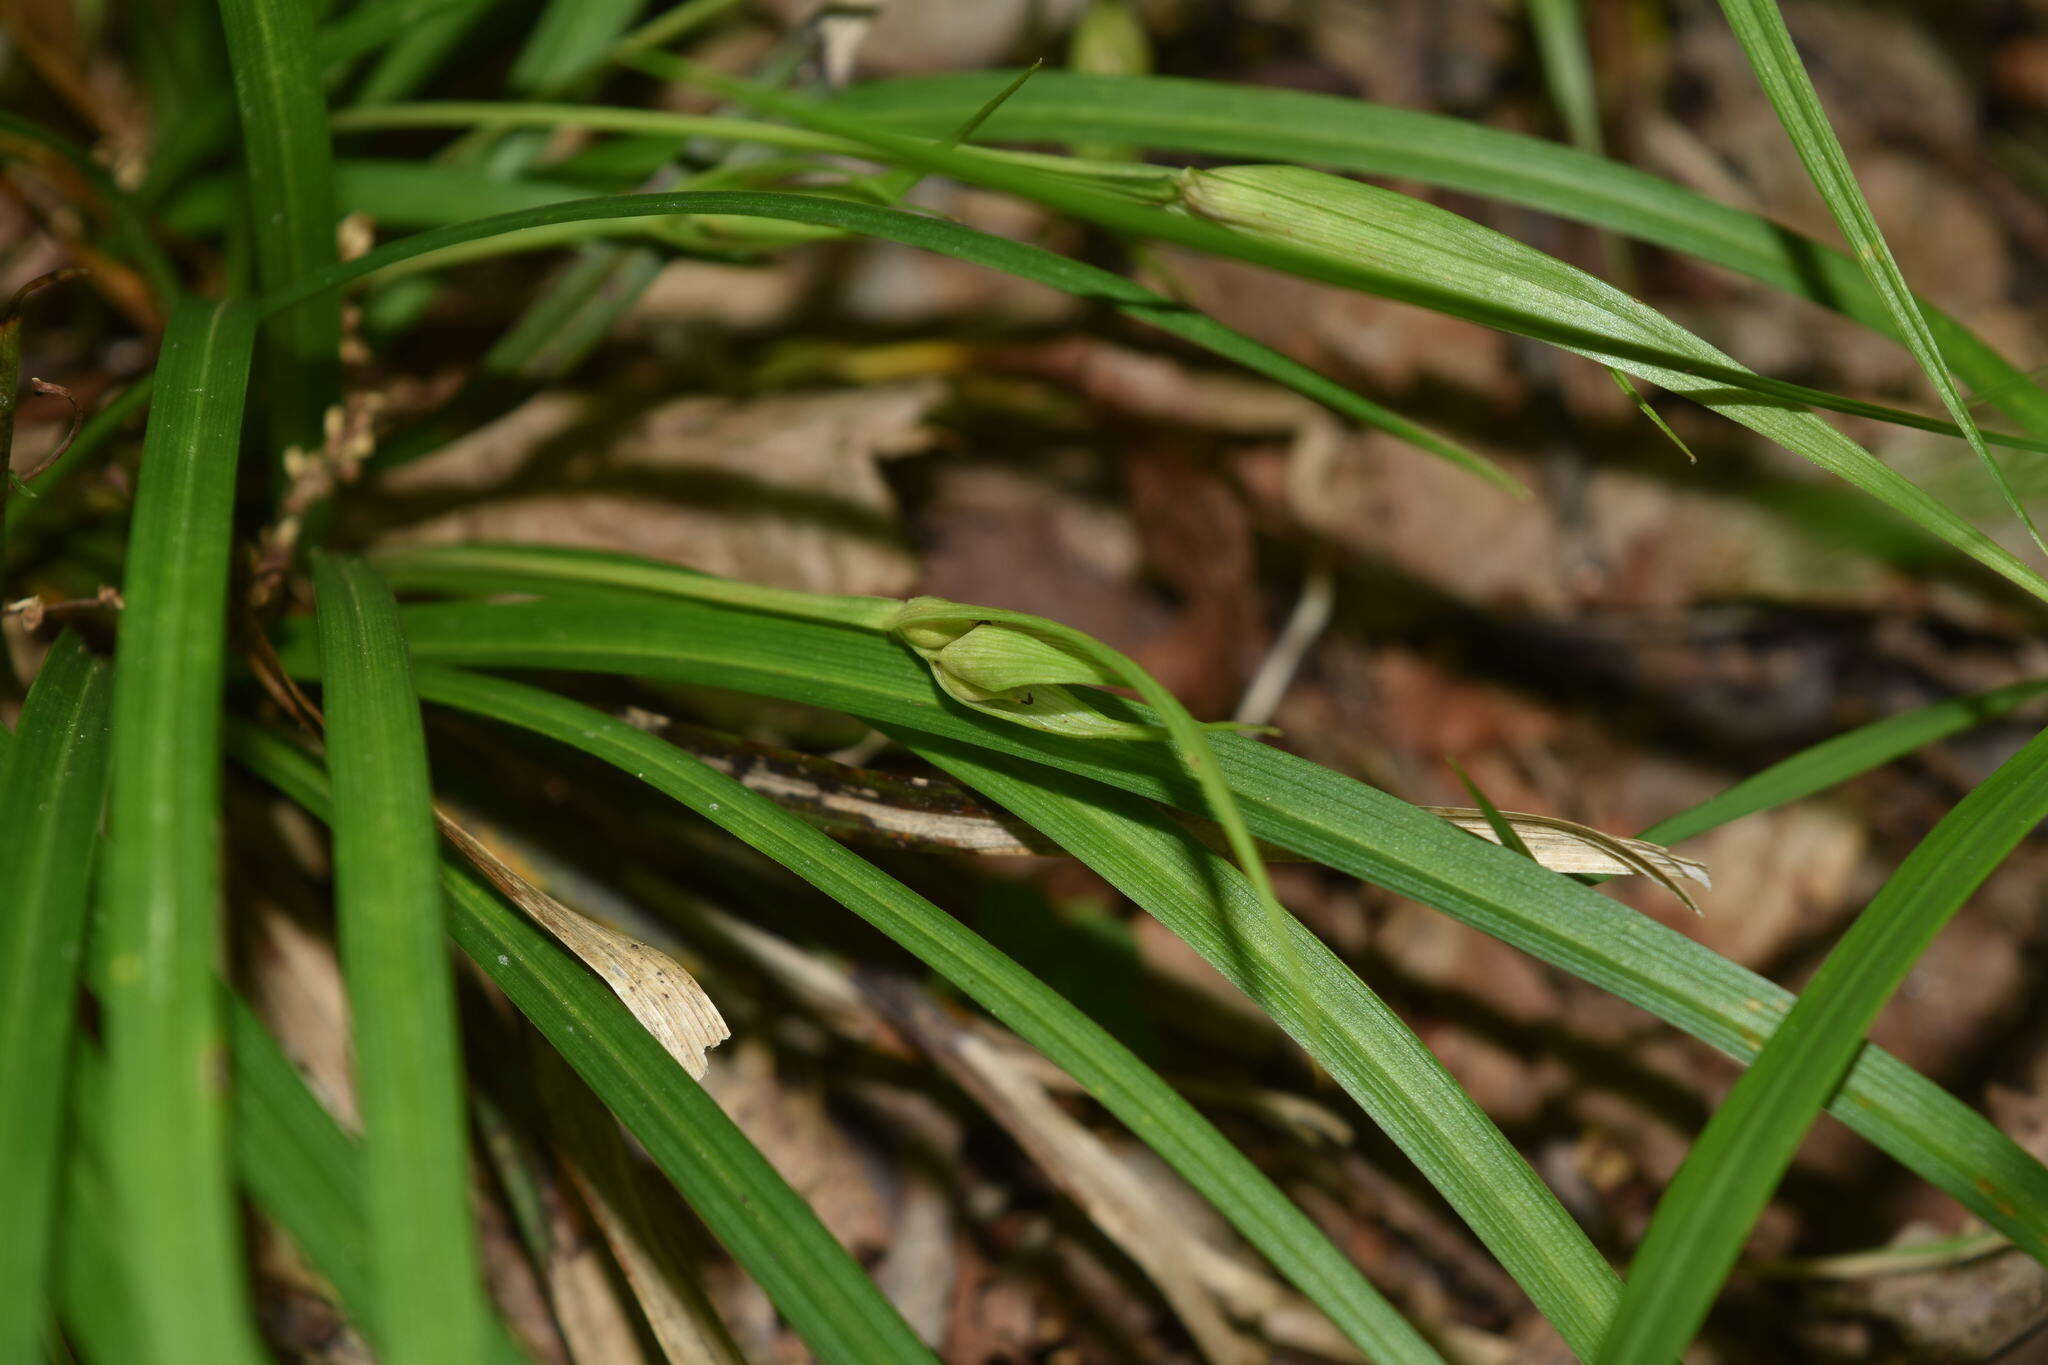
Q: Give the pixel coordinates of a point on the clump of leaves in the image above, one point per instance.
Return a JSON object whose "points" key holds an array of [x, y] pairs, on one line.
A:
{"points": [[111, 781]]}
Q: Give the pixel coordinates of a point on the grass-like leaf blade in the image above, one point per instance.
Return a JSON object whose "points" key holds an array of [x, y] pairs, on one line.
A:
{"points": [[749, 1207], [1707, 1210], [1837, 759], [1218, 119], [387, 898], [289, 157], [159, 926], [1327, 228], [1037, 1013], [1288, 801], [1767, 43], [1559, 27], [51, 789], [947, 239], [307, 1175], [1334, 1016]]}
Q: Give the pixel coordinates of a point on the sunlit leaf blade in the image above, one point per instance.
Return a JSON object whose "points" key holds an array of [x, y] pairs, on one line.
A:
{"points": [[1038, 1013], [1288, 801], [1335, 1016], [387, 898], [495, 115], [1328, 228], [1346, 222], [160, 886], [1836, 760], [291, 200], [1244, 122], [927, 234], [1768, 45], [51, 788], [1709, 1207], [766, 1225]]}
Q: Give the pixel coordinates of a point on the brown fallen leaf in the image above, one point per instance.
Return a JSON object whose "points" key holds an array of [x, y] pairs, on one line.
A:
{"points": [[784, 489]]}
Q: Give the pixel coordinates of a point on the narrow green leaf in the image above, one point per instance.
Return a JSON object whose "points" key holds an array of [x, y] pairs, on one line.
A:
{"points": [[1768, 44], [291, 201], [571, 40], [1288, 801], [160, 888], [1218, 119], [398, 194], [50, 797], [1364, 1045], [748, 1207], [1119, 1080], [1560, 30], [946, 239], [1504, 833], [306, 1175], [98, 1314], [1836, 760], [402, 999], [302, 1171], [490, 115], [437, 29], [1345, 222], [1709, 1207], [1328, 228]]}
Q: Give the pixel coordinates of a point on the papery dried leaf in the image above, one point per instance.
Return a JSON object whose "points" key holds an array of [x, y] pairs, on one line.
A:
{"points": [[662, 995], [1563, 846]]}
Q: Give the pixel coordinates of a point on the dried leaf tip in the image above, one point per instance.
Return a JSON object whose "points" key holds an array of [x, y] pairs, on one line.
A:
{"points": [[662, 994], [1563, 846]]}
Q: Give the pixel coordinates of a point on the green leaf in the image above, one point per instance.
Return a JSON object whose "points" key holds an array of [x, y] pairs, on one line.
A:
{"points": [[1365, 1047], [302, 1171], [1343, 222], [1707, 1210], [1325, 227], [1217, 119], [398, 194], [748, 1207], [285, 146], [1119, 1080], [436, 31], [1836, 760], [306, 1175], [928, 234], [1560, 30], [402, 1000], [160, 888], [571, 40], [1287, 801], [50, 797], [1768, 45], [489, 115], [1504, 833]]}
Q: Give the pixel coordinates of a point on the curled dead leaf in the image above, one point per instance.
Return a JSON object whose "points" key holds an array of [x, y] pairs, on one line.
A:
{"points": [[661, 993], [1563, 846]]}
